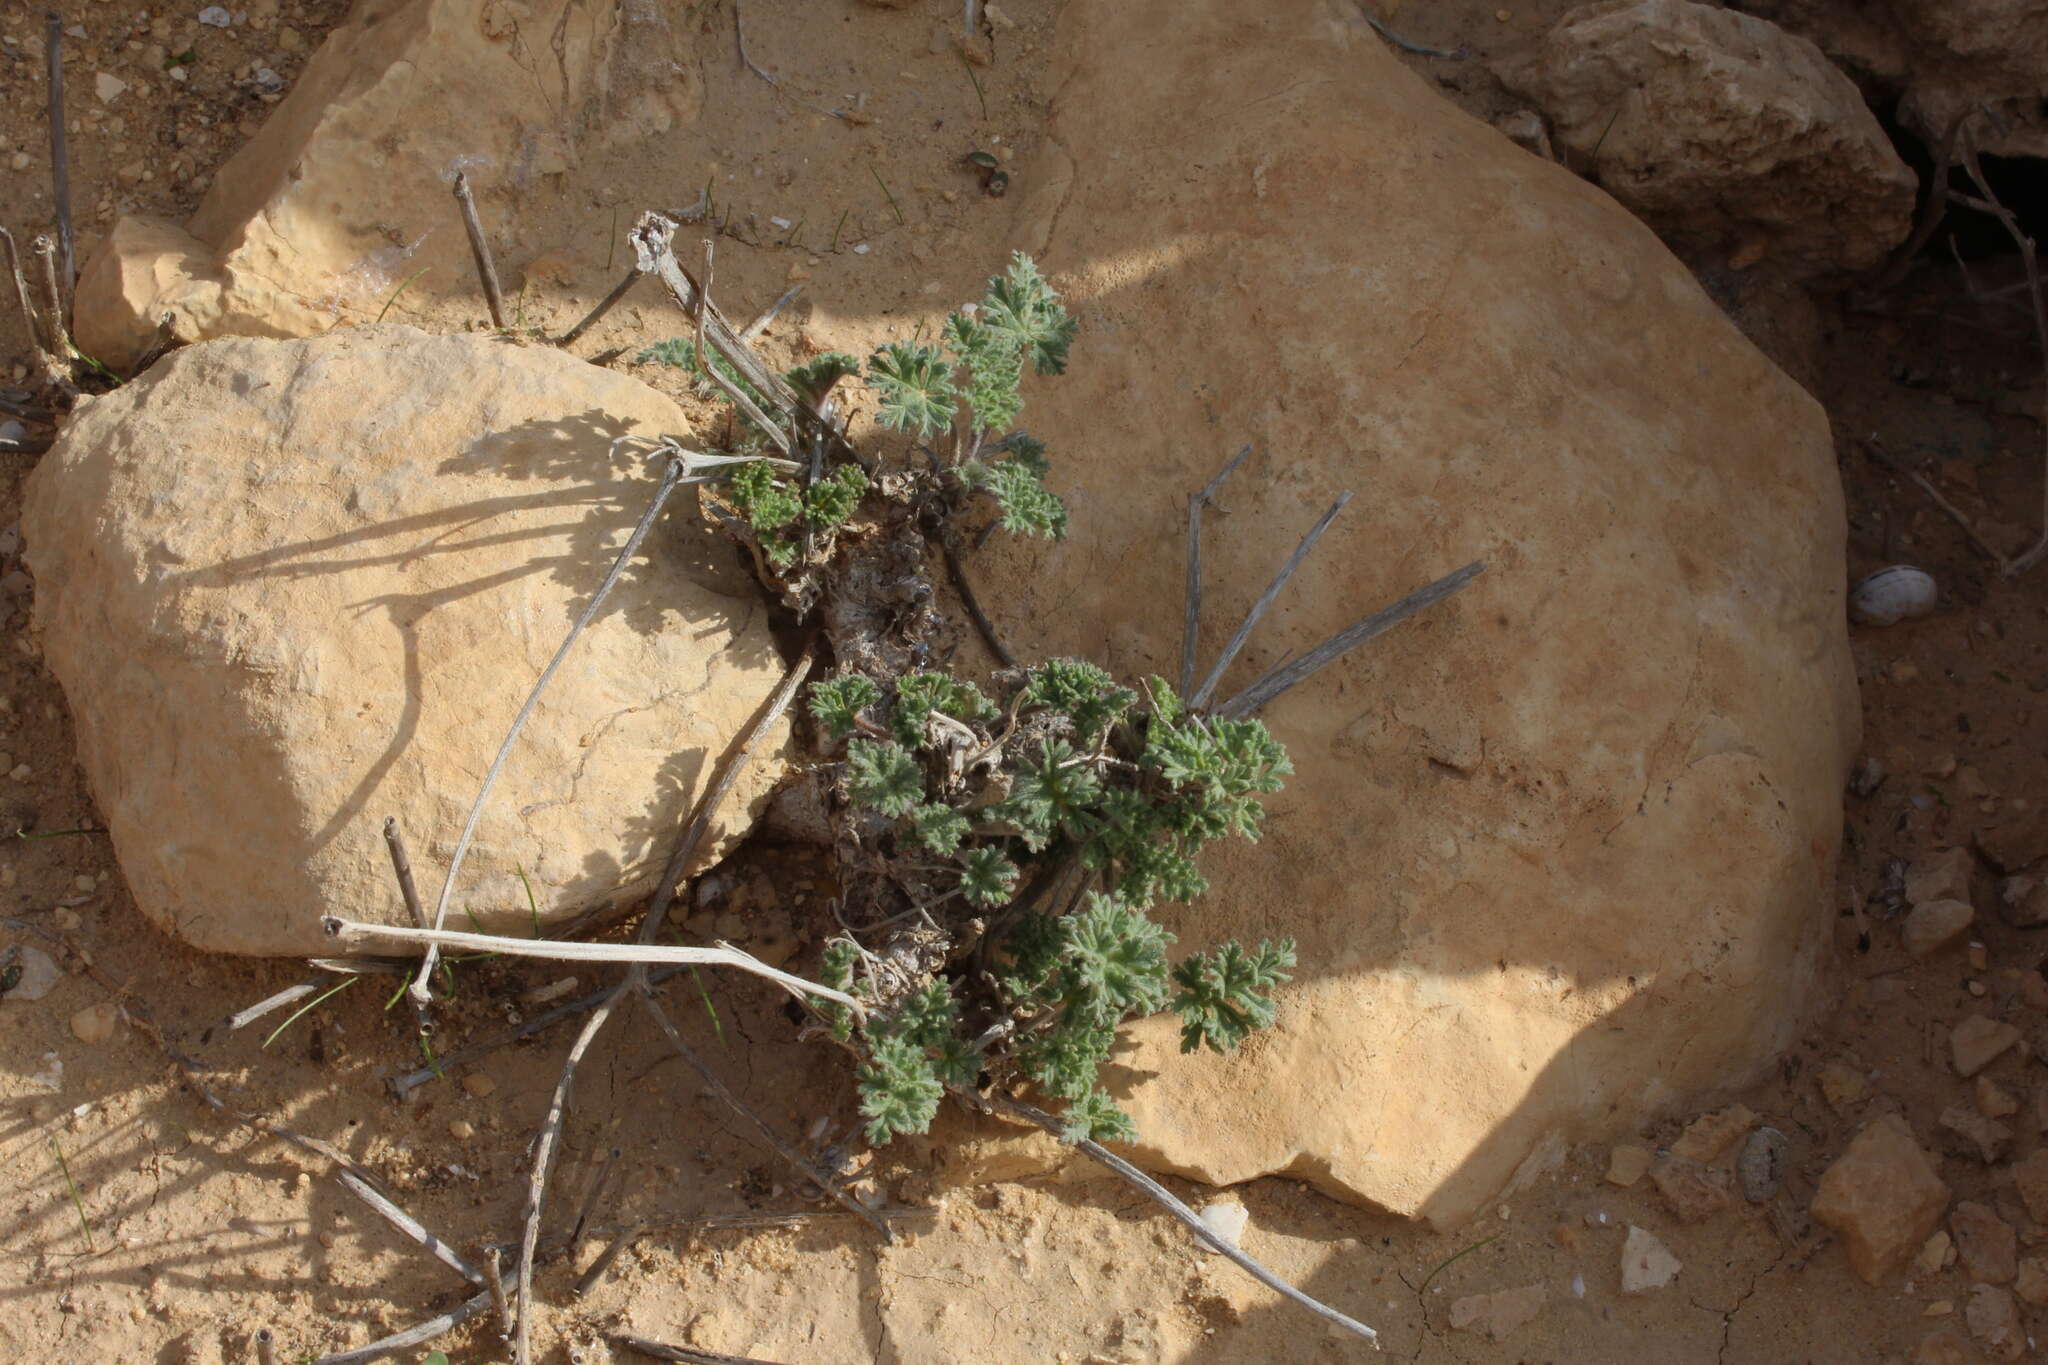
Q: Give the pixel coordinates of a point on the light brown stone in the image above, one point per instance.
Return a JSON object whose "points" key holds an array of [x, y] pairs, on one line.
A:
{"points": [[1627, 1164], [2031, 1281], [2030, 1180], [1709, 1135], [1498, 1314], [1972, 1134], [1942, 876], [1436, 1036], [1976, 1042], [1934, 925], [95, 1024], [1942, 1347], [294, 587], [1692, 1191], [1994, 1101], [1933, 1253], [2023, 902], [1881, 1197], [1986, 1244], [1646, 1263], [1994, 1320], [1721, 129], [1842, 1086]]}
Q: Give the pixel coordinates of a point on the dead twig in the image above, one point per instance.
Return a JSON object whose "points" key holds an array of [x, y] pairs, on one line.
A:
{"points": [[411, 1336], [589, 1278], [768, 314], [590, 1199], [1877, 450], [689, 1354], [737, 395], [537, 1178], [1279, 680], [53, 299], [402, 865], [494, 1281], [1191, 628], [1265, 603], [266, 1346], [982, 625], [421, 988], [486, 268], [739, 25], [1162, 1196], [1456, 54], [269, 1004], [604, 305], [60, 157], [31, 318]]}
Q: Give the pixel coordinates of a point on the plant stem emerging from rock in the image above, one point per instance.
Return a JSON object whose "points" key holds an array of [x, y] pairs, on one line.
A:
{"points": [[1162, 1196]]}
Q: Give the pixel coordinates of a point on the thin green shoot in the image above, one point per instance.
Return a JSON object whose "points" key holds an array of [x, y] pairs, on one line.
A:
{"points": [[836, 230], [58, 833], [293, 1017], [532, 906], [427, 1055], [77, 1204], [978, 92], [893, 206], [1455, 1258], [716, 1026], [402, 287], [795, 232]]}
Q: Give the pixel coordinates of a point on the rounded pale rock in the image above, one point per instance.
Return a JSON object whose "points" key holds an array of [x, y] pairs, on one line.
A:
{"points": [[95, 1024], [1227, 1219], [1552, 849], [1721, 128], [1646, 1263], [294, 587], [1934, 925], [1977, 1042], [1881, 1197], [1986, 1245], [1994, 1320], [39, 974]]}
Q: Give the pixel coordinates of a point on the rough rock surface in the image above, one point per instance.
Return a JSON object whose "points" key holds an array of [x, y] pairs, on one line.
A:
{"points": [[1723, 130], [1939, 58], [1554, 852], [1986, 1244], [294, 587], [345, 193], [1882, 1198], [1646, 1263]]}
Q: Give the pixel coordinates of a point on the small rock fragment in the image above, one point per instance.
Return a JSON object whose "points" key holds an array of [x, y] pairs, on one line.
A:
{"points": [[1498, 1313], [1881, 1197], [1761, 1166], [1934, 925], [1709, 1135], [1694, 1192], [1226, 1218], [94, 1024], [1943, 876], [1866, 777], [1994, 1101], [1986, 1244], [1994, 1320], [477, 1085], [1977, 1041], [2031, 1281], [2030, 1181], [2023, 902], [1974, 1135], [1524, 128], [1627, 1164], [215, 16], [1933, 1254], [1842, 1086], [39, 974], [1944, 1347], [462, 1130], [1646, 1263], [108, 86]]}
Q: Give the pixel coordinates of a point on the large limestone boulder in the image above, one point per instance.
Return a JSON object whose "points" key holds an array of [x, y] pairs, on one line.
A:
{"points": [[345, 193], [1561, 851], [294, 587], [1722, 130]]}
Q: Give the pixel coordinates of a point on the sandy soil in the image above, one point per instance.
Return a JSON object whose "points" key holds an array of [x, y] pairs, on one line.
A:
{"points": [[141, 1225]]}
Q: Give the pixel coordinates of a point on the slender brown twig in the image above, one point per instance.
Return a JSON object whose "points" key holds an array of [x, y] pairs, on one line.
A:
{"points": [[604, 305], [494, 1281], [705, 362], [412, 1336], [591, 1197], [479, 247], [982, 625], [30, 317], [402, 865], [60, 157], [1164, 1197], [537, 1178], [1191, 628]]}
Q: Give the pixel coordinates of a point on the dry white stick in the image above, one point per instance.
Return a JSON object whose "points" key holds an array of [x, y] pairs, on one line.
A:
{"points": [[724, 955]]}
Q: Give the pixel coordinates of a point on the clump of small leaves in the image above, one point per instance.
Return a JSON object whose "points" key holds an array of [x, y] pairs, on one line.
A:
{"points": [[1017, 834]]}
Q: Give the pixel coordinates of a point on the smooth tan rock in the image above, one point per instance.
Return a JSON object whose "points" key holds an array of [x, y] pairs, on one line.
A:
{"points": [[344, 194], [1881, 1197], [1842, 1086], [1977, 1042], [1973, 1134], [1627, 1164], [292, 588], [1994, 1320], [1498, 1314], [1709, 1135], [1986, 1244], [2030, 1179], [1943, 876], [1994, 1101], [1534, 896], [1722, 130], [95, 1024], [1646, 1263], [2031, 1281], [1933, 1254], [1934, 925]]}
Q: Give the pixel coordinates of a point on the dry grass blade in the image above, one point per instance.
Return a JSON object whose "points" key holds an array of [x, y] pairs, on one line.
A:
{"points": [[1265, 603], [537, 1179], [1191, 627], [1253, 698], [411, 1336], [689, 1354], [421, 989], [1165, 1199]]}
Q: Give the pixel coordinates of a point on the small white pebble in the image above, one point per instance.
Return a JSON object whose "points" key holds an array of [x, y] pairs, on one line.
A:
{"points": [[860, 249], [21, 772], [215, 16], [1226, 1219]]}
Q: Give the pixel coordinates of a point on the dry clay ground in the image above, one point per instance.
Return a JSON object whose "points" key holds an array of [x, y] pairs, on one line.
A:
{"points": [[138, 1225]]}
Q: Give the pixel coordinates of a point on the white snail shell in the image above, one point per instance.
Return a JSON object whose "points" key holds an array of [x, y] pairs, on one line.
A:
{"points": [[1889, 596]]}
